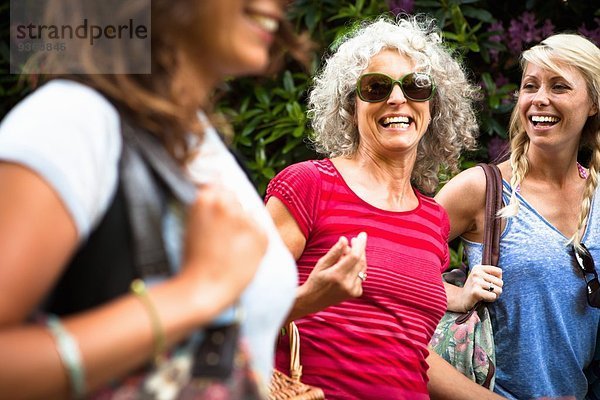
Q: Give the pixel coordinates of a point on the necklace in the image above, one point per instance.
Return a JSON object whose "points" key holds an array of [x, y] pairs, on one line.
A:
{"points": [[583, 174]]}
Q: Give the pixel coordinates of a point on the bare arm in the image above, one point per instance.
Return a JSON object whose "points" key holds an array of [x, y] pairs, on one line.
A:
{"points": [[335, 276], [446, 383], [38, 237], [463, 198]]}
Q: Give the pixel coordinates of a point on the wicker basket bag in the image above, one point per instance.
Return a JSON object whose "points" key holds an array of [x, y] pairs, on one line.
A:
{"points": [[284, 387]]}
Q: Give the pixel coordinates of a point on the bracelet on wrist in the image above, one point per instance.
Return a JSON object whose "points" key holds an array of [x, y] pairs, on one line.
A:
{"points": [[138, 288], [69, 353]]}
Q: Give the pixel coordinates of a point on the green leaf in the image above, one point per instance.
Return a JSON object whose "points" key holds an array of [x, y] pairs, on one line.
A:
{"points": [[244, 105], [262, 96], [451, 36], [292, 144], [244, 141], [298, 132], [499, 128], [488, 82], [268, 172], [259, 155], [508, 89], [288, 81], [311, 19], [494, 101], [478, 13], [249, 114], [278, 108], [275, 135], [474, 46]]}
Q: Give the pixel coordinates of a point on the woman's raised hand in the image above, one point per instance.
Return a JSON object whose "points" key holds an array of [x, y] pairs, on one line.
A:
{"points": [[337, 276], [223, 247]]}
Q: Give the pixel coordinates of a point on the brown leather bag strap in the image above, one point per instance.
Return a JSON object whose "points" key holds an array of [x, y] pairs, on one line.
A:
{"points": [[493, 203], [491, 226]]}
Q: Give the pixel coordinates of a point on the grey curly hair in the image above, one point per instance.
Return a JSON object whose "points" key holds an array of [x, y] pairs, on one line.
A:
{"points": [[332, 100], [554, 53]]}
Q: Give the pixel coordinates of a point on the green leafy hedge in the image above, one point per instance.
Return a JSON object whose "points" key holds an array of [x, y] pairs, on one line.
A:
{"points": [[268, 114]]}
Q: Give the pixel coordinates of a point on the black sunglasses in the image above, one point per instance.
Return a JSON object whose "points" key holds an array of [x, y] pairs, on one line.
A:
{"points": [[586, 265], [376, 87]]}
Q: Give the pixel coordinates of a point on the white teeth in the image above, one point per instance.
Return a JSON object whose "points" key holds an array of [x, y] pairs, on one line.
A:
{"points": [[395, 120], [539, 118], [267, 23], [398, 126]]}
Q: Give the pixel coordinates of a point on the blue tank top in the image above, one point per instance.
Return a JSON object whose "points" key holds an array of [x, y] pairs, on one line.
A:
{"points": [[544, 330]]}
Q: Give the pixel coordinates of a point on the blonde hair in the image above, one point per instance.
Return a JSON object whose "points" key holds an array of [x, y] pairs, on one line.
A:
{"points": [[578, 52], [332, 101]]}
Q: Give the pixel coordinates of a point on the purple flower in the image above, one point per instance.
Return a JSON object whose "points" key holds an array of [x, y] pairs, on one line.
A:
{"points": [[501, 80], [515, 35], [480, 358], [523, 31], [547, 29], [400, 6], [496, 27], [497, 38], [592, 34], [528, 21]]}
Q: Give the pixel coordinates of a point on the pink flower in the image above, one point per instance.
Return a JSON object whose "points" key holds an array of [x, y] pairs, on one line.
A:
{"points": [[460, 332]]}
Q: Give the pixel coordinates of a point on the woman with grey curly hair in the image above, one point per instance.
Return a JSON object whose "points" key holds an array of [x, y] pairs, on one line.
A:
{"points": [[546, 319], [452, 125], [389, 109]]}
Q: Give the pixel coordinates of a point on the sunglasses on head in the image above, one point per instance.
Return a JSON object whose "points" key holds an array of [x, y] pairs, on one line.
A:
{"points": [[586, 265], [376, 87]]}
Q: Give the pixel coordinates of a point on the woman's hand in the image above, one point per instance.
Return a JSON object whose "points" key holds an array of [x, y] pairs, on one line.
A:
{"points": [[484, 283], [337, 276], [223, 247]]}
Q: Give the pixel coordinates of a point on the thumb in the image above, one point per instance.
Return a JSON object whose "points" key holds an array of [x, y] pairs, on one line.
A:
{"points": [[359, 244]]}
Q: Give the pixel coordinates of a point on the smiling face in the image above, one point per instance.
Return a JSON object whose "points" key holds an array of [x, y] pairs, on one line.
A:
{"points": [[395, 125], [233, 37], [554, 107]]}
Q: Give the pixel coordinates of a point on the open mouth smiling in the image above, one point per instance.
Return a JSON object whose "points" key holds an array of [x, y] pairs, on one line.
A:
{"points": [[543, 120], [268, 24], [400, 122]]}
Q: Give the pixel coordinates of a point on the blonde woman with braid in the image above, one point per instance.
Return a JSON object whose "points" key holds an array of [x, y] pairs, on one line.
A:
{"points": [[544, 293]]}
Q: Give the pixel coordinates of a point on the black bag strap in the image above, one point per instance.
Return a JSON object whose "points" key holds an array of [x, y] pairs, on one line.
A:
{"points": [[147, 169], [491, 225]]}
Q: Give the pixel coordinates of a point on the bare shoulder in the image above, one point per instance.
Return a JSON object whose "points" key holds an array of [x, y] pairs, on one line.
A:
{"points": [[463, 198], [469, 183]]}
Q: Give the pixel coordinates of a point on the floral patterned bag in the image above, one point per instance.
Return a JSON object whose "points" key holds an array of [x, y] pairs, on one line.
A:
{"points": [[469, 346], [466, 340]]}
